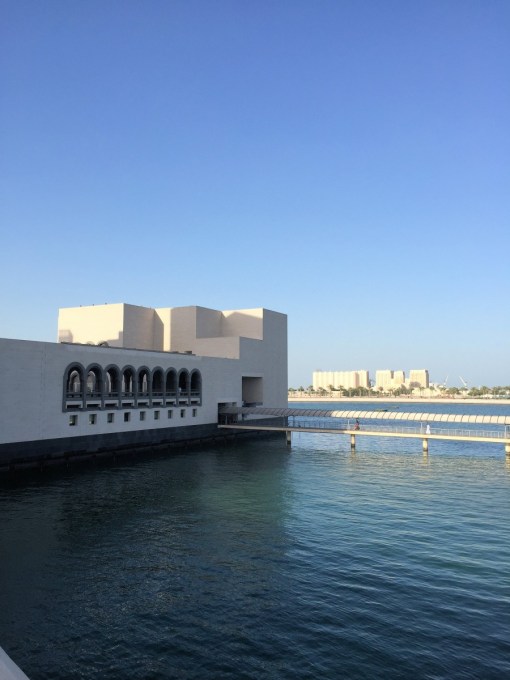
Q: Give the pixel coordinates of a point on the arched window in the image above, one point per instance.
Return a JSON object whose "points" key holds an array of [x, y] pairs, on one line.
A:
{"points": [[91, 382], [128, 382], [183, 382], [94, 382], [74, 380], [112, 381], [143, 382], [157, 383], [196, 386], [171, 385], [171, 382], [74, 383]]}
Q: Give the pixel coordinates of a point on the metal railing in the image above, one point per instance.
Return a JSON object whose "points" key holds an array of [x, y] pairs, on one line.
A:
{"points": [[301, 423], [437, 431]]}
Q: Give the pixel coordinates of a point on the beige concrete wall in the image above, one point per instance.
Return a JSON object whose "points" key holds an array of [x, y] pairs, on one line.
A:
{"points": [[92, 324], [275, 358], [139, 326], [228, 348], [120, 325], [183, 329], [245, 323], [268, 359], [209, 332], [177, 329], [209, 323], [162, 319]]}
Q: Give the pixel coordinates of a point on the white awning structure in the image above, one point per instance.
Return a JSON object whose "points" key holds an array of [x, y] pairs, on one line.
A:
{"points": [[369, 415]]}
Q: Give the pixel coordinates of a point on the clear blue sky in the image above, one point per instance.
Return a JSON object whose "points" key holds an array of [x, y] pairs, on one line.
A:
{"points": [[344, 162]]}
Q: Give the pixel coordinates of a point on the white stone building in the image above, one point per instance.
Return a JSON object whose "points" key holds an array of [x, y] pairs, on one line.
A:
{"points": [[419, 378], [392, 380], [384, 379], [123, 375], [336, 379]]}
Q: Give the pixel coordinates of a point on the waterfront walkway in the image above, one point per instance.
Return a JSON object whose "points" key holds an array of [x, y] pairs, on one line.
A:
{"points": [[426, 426]]}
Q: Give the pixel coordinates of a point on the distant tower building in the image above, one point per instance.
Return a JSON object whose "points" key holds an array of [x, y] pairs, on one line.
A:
{"points": [[391, 380], [384, 379], [364, 379], [419, 378], [399, 378], [345, 379]]}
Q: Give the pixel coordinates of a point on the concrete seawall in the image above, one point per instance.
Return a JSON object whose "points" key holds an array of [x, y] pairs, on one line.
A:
{"points": [[8, 669], [41, 454]]}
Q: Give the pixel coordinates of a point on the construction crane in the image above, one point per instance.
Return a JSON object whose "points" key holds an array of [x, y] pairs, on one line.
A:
{"points": [[464, 383], [443, 385]]}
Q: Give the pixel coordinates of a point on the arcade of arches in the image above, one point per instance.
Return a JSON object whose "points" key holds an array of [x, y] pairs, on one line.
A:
{"points": [[95, 387]]}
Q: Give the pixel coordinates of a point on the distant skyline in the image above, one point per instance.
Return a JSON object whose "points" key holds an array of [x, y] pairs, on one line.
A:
{"points": [[346, 163], [449, 380]]}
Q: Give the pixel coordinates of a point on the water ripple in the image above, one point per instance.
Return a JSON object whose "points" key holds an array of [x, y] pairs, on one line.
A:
{"points": [[257, 562]]}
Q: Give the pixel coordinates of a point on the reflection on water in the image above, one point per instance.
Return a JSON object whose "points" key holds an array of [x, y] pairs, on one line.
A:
{"points": [[258, 561]]}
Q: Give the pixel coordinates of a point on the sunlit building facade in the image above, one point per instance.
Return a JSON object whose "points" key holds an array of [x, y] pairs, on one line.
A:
{"points": [[419, 378], [123, 375], [337, 379], [386, 380]]}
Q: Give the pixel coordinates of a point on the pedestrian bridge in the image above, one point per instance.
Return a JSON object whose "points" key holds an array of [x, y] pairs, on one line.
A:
{"points": [[378, 423]]}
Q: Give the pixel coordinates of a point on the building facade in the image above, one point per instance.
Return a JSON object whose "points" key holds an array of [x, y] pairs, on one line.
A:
{"points": [[336, 379], [386, 380], [123, 375], [419, 378]]}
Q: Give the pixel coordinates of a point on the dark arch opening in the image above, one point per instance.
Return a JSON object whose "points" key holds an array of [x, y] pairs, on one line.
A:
{"points": [[196, 386], [128, 382], [171, 381], [74, 385], [157, 383], [74, 380], [94, 382], [143, 382], [183, 379], [112, 381]]}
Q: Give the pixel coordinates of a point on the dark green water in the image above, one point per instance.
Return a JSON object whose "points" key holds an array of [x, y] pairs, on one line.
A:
{"points": [[251, 561]]}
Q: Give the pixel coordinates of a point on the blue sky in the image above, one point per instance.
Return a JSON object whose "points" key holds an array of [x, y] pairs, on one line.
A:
{"points": [[347, 163]]}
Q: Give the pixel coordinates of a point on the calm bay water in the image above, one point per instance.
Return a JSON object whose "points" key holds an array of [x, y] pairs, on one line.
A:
{"points": [[255, 561]]}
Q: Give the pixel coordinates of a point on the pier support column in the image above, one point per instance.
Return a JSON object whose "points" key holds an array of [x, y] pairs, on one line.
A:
{"points": [[507, 448], [288, 437], [353, 441], [425, 446]]}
